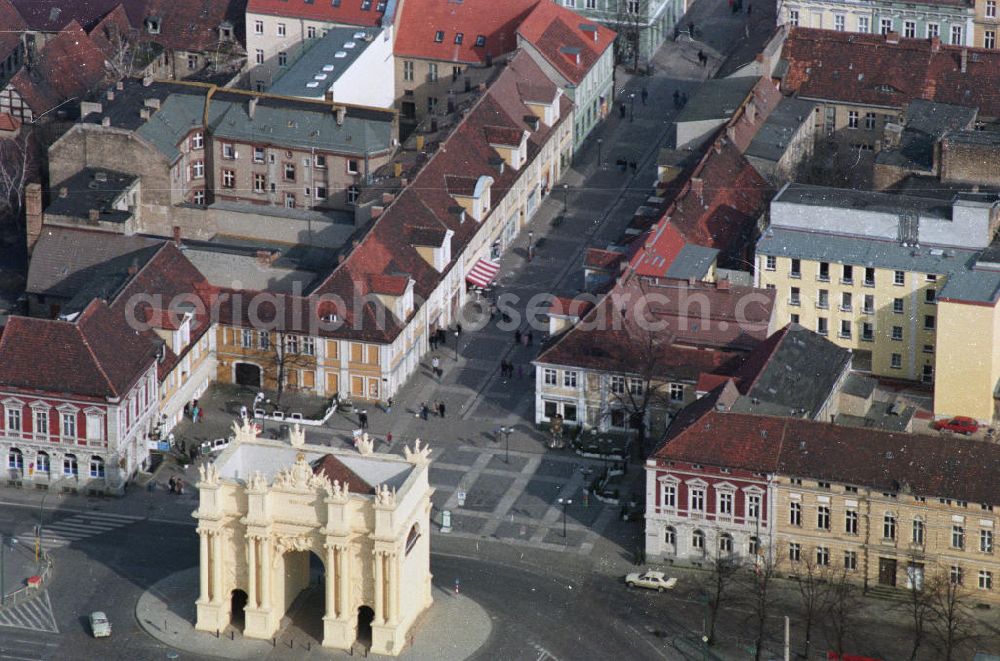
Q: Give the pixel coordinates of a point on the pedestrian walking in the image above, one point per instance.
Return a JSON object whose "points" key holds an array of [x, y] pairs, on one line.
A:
{"points": [[173, 485], [691, 28], [436, 367], [180, 487], [388, 406], [441, 409], [632, 164], [520, 371], [423, 410], [677, 99], [531, 336], [524, 339], [701, 57], [644, 95], [433, 341], [458, 329], [621, 110], [243, 412], [517, 336], [684, 99], [388, 438], [363, 419]]}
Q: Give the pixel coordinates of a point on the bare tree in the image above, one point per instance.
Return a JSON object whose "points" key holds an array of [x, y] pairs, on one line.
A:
{"points": [[630, 21], [919, 605], [843, 603], [723, 571], [286, 351], [759, 581], [952, 622], [813, 582], [121, 59], [15, 163]]}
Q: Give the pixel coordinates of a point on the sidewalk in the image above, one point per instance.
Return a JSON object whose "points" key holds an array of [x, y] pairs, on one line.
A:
{"points": [[18, 565]]}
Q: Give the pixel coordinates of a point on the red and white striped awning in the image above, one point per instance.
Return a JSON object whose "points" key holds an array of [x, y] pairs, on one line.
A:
{"points": [[483, 273]]}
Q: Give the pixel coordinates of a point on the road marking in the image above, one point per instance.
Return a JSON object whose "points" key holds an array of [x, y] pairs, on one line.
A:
{"points": [[34, 615], [647, 641], [77, 527]]}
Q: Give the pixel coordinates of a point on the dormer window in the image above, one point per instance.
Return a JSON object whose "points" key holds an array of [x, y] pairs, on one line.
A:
{"points": [[366, 5], [439, 36], [458, 37], [153, 25], [225, 31], [480, 41]]}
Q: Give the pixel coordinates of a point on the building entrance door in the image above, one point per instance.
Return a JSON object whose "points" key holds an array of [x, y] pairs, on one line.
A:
{"points": [[248, 374], [365, 617], [887, 572]]}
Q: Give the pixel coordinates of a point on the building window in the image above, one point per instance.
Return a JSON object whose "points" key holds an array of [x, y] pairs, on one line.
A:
{"points": [[670, 536], [591, 4], [928, 348], [850, 560], [726, 504], [823, 299], [407, 70], [69, 425], [796, 268], [697, 499], [957, 537], [198, 198], [933, 30], [698, 540], [852, 119], [14, 420], [228, 151], [259, 183], [320, 161], [69, 466], [897, 333], [794, 296], [867, 331], [668, 496], [864, 24], [725, 543], [289, 170], [851, 522], [635, 386], [96, 467], [846, 302], [569, 379], [870, 121], [956, 35], [432, 72], [822, 326], [909, 29], [550, 377], [289, 200], [990, 39], [897, 305], [896, 361], [795, 514], [753, 506], [824, 272], [458, 38], [676, 392], [320, 192], [432, 103], [794, 552], [918, 532], [258, 154], [847, 274], [930, 296], [838, 22], [40, 423], [192, 62], [352, 166], [353, 192], [823, 517], [868, 307], [197, 140], [617, 384], [985, 580], [928, 322], [264, 340], [793, 17], [282, 59], [311, 32], [282, 30], [889, 526], [198, 170], [822, 556], [869, 277], [986, 541], [258, 27], [228, 179], [955, 575], [885, 25], [991, 9], [770, 262]]}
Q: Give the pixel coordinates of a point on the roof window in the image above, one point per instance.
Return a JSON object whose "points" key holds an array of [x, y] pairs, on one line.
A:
{"points": [[481, 40], [458, 37], [366, 5], [439, 36], [336, 3], [153, 25]]}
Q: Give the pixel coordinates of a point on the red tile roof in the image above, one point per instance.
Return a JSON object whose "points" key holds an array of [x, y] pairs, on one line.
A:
{"points": [[96, 356], [884, 461], [53, 15], [349, 12], [607, 260], [867, 70], [682, 345], [421, 20], [335, 469], [569, 42], [68, 66], [572, 307], [9, 123], [189, 24], [12, 25]]}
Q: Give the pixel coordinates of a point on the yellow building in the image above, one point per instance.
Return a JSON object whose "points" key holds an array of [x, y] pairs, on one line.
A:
{"points": [[867, 269], [986, 23]]}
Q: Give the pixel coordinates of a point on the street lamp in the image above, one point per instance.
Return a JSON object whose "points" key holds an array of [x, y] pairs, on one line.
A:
{"points": [[631, 98], [38, 531], [565, 502], [531, 241], [456, 345], [565, 198], [600, 142], [506, 431]]}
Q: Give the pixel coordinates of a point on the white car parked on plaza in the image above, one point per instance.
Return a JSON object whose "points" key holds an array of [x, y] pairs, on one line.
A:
{"points": [[654, 580]]}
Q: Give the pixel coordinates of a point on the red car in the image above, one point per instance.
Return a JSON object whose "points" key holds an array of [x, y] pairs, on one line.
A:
{"points": [[959, 424]]}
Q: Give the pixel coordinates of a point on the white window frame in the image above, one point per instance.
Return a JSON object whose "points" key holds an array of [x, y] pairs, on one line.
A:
{"points": [[550, 377]]}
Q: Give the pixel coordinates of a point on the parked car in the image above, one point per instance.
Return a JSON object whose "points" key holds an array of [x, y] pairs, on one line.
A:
{"points": [[99, 624], [653, 580], [959, 424]]}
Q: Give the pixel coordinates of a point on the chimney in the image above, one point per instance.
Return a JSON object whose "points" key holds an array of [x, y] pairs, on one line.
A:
{"points": [[152, 103], [252, 107], [718, 146], [376, 211], [341, 112], [144, 113], [892, 37], [93, 215], [965, 60], [595, 34], [397, 169], [147, 81], [111, 95], [341, 257], [935, 44], [419, 140], [120, 86], [87, 107], [33, 213], [387, 198], [722, 285], [265, 257], [698, 187], [105, 121], [751, 111], [177, 234]]}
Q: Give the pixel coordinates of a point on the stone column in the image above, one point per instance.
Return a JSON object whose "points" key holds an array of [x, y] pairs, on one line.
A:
{"points": [[203, 567], [252, 600], [343, 580], [328, 581], [265, 572], [216, 567], [393, 587], [379, 589]]}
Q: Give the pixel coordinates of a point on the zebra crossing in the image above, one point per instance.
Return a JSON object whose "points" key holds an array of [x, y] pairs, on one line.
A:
{"points": [[77, 527], [34, 614]]}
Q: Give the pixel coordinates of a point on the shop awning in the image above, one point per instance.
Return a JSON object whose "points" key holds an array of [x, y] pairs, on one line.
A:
{"points": [[483, 273]]}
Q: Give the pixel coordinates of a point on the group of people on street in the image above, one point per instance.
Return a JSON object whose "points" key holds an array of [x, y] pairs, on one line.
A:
{"points": [[176, 485], [507, 370], [424, 412], [524, 339], [624, 164], [680, 99], [438, 338]]}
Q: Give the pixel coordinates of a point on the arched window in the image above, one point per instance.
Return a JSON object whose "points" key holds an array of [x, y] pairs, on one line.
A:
{"points": [[670, 536], [411, 539], [754, 547], [725, 543], [96, 467], [15, 459], [698, 540], [69, 465], [42, 462]]}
